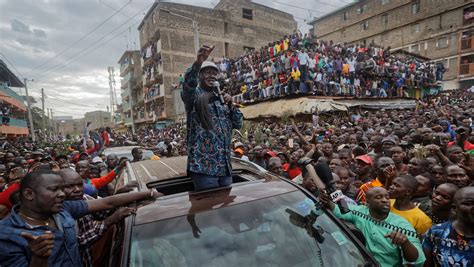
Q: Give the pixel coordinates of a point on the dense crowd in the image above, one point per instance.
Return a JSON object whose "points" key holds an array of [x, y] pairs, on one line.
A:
{"points": [[423, 157], [303, 64], [406, 169]]}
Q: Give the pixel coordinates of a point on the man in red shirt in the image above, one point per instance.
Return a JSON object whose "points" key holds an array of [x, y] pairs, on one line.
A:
{"points": [[83, 168], [292, 168]]}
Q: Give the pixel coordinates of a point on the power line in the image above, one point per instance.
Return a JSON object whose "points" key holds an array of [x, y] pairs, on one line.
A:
{"points": [[113, 8], [97, 41], [62, 101], [82, 38], [304, 8], [9, 62]]}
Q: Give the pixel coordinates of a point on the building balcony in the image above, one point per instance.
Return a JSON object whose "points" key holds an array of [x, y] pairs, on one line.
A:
{"points": [[9, 96], [128, 121], [125, 68], [15, 127], [466, 69], [126, 78], [467, 44]]}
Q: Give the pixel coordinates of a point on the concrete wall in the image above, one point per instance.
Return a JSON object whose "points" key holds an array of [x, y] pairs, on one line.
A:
{"points": [[222, 26], [436, 21]]}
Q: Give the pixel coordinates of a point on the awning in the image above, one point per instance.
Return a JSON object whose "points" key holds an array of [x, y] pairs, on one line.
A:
{"points": [[290, 107], [386, 103]]}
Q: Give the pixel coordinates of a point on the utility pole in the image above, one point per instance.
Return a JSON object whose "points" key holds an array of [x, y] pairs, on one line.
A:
{"points": [[43, 128], [49, 122], [52, 120], [30, 116]]}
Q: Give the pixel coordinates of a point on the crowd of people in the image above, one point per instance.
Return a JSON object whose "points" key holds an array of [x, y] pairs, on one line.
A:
{"points": [[303, 64], [422, 161], [409, 170]]}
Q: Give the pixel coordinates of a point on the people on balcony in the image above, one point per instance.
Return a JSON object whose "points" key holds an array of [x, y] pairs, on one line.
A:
{"points": [[301, 64]]}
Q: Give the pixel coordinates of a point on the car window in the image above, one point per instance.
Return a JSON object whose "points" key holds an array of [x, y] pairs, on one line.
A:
{"points": [[147, 154], [266, 232]]}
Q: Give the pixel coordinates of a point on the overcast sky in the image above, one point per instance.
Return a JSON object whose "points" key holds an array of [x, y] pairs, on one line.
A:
{"points": [[67, 45]]}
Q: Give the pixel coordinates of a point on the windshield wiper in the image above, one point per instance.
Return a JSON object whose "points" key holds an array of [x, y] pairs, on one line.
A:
{"points": [[307, 223]]}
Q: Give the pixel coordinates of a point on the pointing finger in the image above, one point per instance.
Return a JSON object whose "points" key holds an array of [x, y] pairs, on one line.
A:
{"points": [[28, 236]]}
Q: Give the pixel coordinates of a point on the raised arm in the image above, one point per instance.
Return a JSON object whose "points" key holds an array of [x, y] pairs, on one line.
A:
{"points": [[191, 77], [115, 201]]}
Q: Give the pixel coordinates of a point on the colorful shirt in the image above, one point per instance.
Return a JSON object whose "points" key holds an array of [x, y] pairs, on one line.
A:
{"points": [[447, 247], [386, 253], [208, 151], [103, 180]]}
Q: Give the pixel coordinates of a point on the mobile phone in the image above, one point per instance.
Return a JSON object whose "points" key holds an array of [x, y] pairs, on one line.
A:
{"points": [[290, 142]]}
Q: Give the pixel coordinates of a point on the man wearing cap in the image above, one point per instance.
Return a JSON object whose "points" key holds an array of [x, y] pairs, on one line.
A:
{"points": [[210, 119], [363, 165]]}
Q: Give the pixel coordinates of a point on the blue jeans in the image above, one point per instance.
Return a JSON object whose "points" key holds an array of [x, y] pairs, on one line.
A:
{"points": [[204, 181]]}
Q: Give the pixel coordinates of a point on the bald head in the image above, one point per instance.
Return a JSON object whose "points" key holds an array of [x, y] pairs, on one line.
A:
{"points": [[375, 191]]}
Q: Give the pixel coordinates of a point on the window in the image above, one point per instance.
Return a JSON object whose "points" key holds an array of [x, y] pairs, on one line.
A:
{"points": [[384, 2], [226, 49], [364, 26], [362, 9], [442, 42], [345, 15], [247, 13], [154, 19], [384, 19], [468, 16], [415, 7], [226, 28], [415, 28], [415, 48]]}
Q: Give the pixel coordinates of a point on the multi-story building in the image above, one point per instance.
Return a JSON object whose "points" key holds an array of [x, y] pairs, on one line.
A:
{"points": [[65, 125], [98, 119], [440, 30], [131, 89], [167, 44], [15, 124]]}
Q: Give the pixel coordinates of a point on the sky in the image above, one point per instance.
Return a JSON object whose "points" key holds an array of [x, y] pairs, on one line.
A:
{"points": [[66, 46]]}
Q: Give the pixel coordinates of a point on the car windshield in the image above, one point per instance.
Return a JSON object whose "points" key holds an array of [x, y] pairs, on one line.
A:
{"points": [[147, 154], [276, 231]]}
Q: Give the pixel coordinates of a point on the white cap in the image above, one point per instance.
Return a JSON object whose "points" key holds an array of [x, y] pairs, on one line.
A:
{"points": [[97, 160], [208, 64]]}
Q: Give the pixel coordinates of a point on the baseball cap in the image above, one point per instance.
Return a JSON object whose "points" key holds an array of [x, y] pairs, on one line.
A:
{"points": [[365, 158], [208, 64], [389, 139], [97, 160], [239, 150]]}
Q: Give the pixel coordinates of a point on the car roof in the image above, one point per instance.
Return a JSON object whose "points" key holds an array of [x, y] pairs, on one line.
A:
{"points": [[173, 167], [195, 202], [116, 149]]}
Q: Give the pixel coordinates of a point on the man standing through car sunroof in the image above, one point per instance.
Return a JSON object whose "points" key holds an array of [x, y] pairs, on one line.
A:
{"points": [[211, 117]]}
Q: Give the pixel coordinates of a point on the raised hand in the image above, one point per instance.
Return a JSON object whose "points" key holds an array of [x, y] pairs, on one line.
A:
{"points": [[204, 53]]}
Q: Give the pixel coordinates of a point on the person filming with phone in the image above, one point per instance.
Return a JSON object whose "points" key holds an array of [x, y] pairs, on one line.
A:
{"points": [[211, 117]]}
